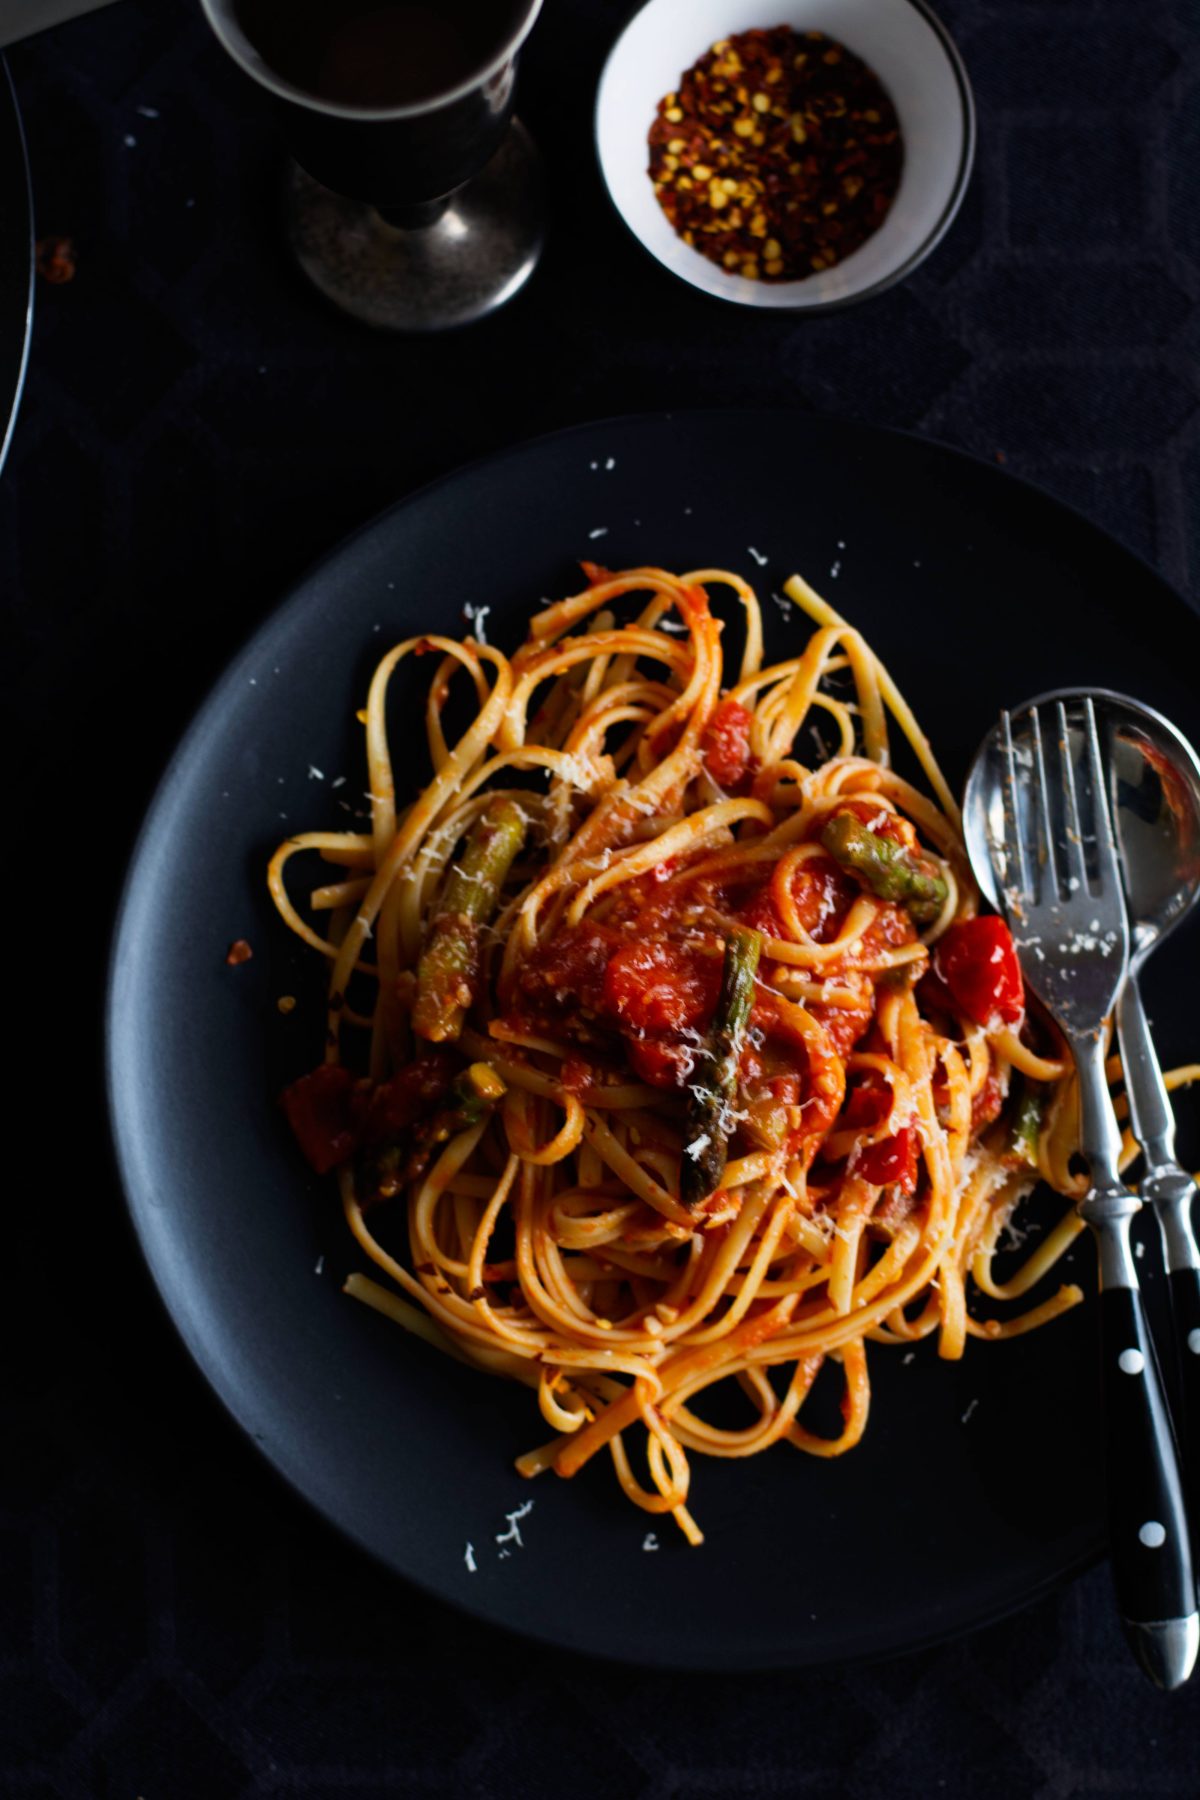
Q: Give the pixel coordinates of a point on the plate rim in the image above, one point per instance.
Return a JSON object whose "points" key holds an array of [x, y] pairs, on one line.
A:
{"points": [[9, 103], [704, 1656]]}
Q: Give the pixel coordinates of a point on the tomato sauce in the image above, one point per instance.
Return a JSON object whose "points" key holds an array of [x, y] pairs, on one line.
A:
{"points": [[846, 1025], [655, 994], [822, 895], [568, 972], [644, 984]]}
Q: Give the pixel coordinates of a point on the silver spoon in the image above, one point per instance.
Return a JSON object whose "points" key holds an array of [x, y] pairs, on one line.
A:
{"points": [[1156, 795], [1156, 783]]}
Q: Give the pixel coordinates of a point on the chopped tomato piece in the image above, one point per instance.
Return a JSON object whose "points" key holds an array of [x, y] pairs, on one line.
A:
{"points": [[655, 988], [868, 1102], [892, 1161], [725, 745], [320, 1111], [977, 962]]}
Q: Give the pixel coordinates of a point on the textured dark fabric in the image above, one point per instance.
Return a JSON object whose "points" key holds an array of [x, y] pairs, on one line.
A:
{"points": [[197, 428]]}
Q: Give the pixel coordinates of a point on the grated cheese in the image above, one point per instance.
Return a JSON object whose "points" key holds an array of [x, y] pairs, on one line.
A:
{"points": [[513, 1534]]}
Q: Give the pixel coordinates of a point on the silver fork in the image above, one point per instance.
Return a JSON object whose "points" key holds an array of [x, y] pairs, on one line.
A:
{"points": [[1067, 913]]}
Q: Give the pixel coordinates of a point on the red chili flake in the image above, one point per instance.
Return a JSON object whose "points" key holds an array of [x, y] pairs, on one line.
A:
{"points": [[239, 952], [779, 155], [54, 259]]}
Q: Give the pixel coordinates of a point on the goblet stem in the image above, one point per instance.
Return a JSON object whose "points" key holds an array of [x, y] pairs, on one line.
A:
{"points": [[429, 267]]}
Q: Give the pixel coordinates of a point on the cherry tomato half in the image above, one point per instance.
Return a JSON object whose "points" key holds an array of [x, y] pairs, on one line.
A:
{"points": [[977, 961]]}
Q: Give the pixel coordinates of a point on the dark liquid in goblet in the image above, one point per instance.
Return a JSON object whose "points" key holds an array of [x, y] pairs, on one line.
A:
{"points": [[362, 53]]}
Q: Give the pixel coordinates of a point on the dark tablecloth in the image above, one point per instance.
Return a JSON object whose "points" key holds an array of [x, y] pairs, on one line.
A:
{"points": [[197, 428]]}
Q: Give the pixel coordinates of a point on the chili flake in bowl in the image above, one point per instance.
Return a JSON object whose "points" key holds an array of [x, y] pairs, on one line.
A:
{"points": [[779, 154], [789, 169]]}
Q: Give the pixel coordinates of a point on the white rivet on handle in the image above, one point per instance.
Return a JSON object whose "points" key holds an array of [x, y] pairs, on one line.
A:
{"points": [[1194, 1340], [1152, 1534], [1131, 1362]]}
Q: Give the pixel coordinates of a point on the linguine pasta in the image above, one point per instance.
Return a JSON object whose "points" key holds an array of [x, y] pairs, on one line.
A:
{"points": [[666, 1045]]}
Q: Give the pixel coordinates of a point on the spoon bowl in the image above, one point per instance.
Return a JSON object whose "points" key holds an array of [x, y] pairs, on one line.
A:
{"points": [[1156, 808]]}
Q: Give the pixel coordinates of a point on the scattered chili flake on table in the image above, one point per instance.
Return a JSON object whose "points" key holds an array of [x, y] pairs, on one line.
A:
{"points": [[55, 259], [239, 952], [779, 155]]}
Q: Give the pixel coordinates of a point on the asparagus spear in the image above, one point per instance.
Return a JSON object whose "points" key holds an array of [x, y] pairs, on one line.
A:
{"points": [[473, 1095], [474, 1092], [715, 1090], [450, 960], [1026, 1126], [888, 868]]}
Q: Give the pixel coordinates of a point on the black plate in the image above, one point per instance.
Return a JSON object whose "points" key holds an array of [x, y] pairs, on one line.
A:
{"points": [[976, 1487], [16, 259]]}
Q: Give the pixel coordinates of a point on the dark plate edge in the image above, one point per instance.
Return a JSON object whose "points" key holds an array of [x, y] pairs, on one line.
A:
{"points": [[7, 89], [702, 1660]]}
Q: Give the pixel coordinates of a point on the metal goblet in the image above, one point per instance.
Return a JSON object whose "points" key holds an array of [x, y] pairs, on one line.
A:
{"points": [[415, 201]]}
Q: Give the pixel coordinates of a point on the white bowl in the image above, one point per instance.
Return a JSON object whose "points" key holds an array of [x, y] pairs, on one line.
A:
{"points": [[906, 46]]}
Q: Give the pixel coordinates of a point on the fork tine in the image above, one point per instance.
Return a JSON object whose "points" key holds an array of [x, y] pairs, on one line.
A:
{"points": [[1016, 863], [1075, 858], [1108, 873], [1043, 830]]}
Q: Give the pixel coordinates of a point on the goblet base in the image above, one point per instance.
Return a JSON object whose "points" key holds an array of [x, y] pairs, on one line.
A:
{"points": [[473, 255]]}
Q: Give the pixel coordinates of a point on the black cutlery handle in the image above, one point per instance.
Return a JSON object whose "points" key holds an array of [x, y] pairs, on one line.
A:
{"points": [[1185, 1312], [1149, 1541]]}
